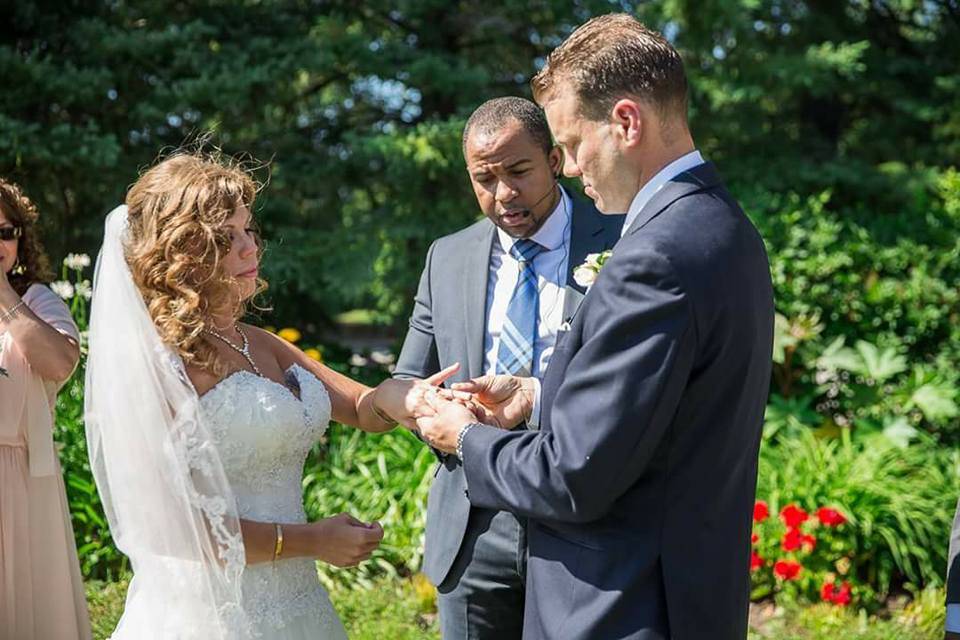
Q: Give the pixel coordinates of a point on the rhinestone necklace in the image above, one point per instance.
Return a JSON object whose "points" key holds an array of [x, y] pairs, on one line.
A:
{"points": [[243, 349]]}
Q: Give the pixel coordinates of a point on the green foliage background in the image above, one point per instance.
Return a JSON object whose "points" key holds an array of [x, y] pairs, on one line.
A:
{"points": [[837, 121]]}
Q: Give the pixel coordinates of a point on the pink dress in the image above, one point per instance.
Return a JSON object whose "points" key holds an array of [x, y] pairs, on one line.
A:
{"points": [[41, 590]]}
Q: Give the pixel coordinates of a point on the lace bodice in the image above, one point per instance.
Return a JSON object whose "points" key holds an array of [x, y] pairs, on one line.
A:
{"points": [[263, 433]]}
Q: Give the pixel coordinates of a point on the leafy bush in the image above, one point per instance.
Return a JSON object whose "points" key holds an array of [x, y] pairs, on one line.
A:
{"points": [[897, 501], [883, 278], [921, 619], [383, 478], [867, 387]]}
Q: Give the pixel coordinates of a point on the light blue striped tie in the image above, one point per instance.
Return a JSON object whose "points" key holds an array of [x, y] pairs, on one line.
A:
{"points": [[515, 353]]}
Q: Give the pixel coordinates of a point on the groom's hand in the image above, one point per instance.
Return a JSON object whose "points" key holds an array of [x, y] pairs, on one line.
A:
{"points": [[442, 429], [501, 400]]}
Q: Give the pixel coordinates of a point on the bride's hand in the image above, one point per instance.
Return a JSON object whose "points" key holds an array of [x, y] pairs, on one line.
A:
{"points": [[344, 541], [407, 400]]}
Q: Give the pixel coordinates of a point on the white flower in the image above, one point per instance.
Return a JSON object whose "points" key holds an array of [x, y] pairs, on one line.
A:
{"points": [[76, 261], [382, 357], [84, 290], [593, 260], [357, 360], [585, 275], [63, 289]]}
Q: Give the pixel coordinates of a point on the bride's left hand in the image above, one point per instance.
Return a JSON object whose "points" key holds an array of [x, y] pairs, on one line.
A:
{"points": [[407, 400]]}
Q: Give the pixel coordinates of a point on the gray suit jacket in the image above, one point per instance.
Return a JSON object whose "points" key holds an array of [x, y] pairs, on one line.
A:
{"points": [[639, 486], [448, 325]]}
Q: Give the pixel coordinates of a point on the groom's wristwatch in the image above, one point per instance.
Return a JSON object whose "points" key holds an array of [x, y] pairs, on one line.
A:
{"points": [[460, 436]]}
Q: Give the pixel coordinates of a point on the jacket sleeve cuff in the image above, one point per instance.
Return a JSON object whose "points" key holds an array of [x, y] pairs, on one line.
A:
{"points": [[953, 618], [534, 421]]}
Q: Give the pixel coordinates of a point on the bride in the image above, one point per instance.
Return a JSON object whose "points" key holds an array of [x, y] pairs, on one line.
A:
{"points": [[198, 425]]}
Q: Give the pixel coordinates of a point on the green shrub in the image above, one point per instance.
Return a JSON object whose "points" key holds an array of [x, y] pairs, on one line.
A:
{"points": [[885, 278], [898, 502], [374, 477], [921, 619]]}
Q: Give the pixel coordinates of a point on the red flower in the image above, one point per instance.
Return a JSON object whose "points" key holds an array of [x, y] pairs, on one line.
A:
{"points": [[830, 517], [754, 539], [760, 511], [793, 516], [837, 595], [755, 561], [787, 569], [792, 540]]}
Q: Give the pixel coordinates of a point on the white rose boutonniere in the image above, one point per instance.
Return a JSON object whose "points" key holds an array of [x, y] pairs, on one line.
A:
{"points": [[586, 274]]}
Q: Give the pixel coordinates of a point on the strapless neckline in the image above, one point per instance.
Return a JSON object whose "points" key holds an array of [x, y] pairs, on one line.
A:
{"points": [[240, 372]]}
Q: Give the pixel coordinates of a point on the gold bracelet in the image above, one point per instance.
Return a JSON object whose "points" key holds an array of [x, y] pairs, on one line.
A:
{"points": [[380, 414], [278, 547]]}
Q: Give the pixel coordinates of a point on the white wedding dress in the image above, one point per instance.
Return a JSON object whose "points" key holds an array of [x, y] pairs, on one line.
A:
{"points": [[263, 433]]}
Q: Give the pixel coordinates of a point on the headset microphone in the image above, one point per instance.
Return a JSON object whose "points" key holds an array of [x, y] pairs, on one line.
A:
{"points": [[526, 213]]}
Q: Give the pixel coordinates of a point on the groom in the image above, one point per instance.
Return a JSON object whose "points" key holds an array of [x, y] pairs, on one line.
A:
{"points": [[469, 292], [640, 483]]}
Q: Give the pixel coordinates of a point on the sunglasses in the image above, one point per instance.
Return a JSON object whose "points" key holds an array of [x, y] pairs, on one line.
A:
{"points": [[10, 233]]}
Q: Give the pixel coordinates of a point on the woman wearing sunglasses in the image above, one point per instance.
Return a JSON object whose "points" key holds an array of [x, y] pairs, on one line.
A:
{"points": [[41, 591]]}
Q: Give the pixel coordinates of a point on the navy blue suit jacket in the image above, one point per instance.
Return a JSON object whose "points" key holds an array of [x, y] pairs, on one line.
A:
{"points": [[640, 484]]}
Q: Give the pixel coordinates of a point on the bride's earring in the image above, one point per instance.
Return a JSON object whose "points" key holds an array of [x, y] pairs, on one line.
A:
{"points": [[18, 268]]}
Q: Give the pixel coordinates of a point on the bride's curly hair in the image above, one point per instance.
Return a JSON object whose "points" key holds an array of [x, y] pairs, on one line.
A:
{"points": [[176, 213]]}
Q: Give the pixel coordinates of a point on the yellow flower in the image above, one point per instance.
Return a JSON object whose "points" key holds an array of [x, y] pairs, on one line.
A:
{"points": [[424, 593], [290, 334], [314, 353]]}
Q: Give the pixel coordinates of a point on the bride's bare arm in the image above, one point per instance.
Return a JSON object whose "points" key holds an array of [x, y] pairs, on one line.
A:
{"points": [[341, 540], [372, 409]]}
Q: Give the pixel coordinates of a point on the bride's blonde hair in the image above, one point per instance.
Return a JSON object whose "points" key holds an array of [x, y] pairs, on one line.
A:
{"points": [[176, 213]]}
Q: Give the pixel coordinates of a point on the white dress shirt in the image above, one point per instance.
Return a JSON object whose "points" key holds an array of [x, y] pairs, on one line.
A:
{"points": [[550, 267], [665, 175], [953, 618]]}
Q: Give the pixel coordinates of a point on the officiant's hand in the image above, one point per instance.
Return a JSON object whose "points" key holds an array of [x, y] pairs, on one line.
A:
{"points": [[405, 400], [501, 400]]}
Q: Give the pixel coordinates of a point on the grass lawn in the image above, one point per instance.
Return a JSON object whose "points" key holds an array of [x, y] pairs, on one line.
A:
{"points": [[404, 610]]}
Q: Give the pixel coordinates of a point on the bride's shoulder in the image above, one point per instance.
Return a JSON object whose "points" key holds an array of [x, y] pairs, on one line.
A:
{"points": [[201, 379], [283, 351]]}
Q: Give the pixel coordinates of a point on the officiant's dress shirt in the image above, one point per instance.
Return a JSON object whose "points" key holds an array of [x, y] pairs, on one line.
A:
{"points": [[550, 267]]}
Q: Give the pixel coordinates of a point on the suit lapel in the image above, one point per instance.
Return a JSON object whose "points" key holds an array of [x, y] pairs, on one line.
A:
{"points": [[588, 234], [475, 277], [701, 177]]}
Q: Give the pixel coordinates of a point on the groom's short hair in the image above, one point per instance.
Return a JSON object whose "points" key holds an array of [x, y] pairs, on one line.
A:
{"points": [[494, 114], [611, 57]]}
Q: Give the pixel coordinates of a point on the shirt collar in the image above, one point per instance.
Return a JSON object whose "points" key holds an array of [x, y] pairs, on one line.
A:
{"points": [[553, 232], [665, 175]]}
